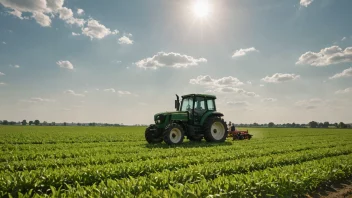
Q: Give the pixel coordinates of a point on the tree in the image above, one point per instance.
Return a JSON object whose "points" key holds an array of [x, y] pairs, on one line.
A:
{"points": [[313, 124], [30, 122], [45, 123], [24, 122], [53, 123], [342, 125], [271, 124], [293, 125], [65, 123], [326, 124], [320, 125], [5, 122], [336, 125], [12, 123], [36, 122]]}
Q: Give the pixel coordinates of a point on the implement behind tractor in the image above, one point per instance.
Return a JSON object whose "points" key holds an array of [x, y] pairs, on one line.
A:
{"points": [[237, 134]]}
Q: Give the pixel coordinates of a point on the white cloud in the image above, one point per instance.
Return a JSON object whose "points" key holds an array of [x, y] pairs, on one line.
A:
{"points": [[344, 73], [96, 30], [2, 74], [55, 5], [172, 59], [343, 91], [17, 14], [41, 10], [124, 92], [327, 56], [116, 61], [38, 8], [15, 66], [305, 3], [4, 42], [110, 90], [261, 85], [65, 13], [73, 93], [76, 21], [80, 11], [42, 19], [75, 34], [65, 64], [249, 82], [279, 77], [269, 100], [344, 38], [233, 90], [38, 100], [125, 40], [310, 103], [208, 80], [115, 32], [2, 83], [238, 103], [243, 52]]}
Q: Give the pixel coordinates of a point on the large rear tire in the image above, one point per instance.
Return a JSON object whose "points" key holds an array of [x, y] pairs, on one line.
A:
{"points": [[150, 134], [215, 130], [173, 134]]}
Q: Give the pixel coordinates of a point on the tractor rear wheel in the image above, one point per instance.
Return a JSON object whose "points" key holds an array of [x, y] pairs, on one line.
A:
{"points": [[215, 130], [173, 134], [150, 135]]}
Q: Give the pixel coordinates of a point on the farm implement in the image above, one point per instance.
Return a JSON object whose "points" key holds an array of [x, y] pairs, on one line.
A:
{"points": [[239, 135], [195, 118]]}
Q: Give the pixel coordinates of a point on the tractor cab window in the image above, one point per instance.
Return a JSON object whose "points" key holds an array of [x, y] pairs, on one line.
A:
{"points": [[210, 104], [187, 104], [199, 105]]}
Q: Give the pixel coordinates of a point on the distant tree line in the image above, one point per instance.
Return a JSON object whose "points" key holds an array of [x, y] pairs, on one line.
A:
{"points": [[272, 125], [312, 124], [45, 123], [341, 125]]}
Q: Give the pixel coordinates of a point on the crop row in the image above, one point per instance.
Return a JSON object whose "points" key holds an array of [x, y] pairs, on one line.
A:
{"points": [[209, 168], [142, 154], [281, 181], [162, 157]]}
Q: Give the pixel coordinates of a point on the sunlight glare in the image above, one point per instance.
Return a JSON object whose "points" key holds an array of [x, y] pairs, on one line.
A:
{"points": [[201, 8]]}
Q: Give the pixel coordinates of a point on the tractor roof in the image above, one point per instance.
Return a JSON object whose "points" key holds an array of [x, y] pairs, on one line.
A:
{"points": [[200, 95]]}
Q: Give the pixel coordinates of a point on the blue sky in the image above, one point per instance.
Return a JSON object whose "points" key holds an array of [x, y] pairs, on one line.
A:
{"points": [[123, 61]]}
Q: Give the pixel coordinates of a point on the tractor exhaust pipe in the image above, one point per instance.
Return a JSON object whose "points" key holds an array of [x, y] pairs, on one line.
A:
{"points": [[177, 103]]}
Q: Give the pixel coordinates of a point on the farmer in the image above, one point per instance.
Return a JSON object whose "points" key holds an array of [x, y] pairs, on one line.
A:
{"points": [[233, 127]]}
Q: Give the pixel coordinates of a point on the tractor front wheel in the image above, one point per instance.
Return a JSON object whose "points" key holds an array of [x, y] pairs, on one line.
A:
{"points": [[215, 130], [150, 135], [173, 134]]}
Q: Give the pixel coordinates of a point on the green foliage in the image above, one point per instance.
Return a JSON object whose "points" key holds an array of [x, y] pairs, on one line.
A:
{"points": [[68, 161]]}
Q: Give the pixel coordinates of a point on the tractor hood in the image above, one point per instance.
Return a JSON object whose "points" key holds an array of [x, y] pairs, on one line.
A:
{"points": [[173, 115]]}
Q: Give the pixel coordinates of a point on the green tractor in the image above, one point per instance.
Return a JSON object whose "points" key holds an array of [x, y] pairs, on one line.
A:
{"points": [[195, 118]]}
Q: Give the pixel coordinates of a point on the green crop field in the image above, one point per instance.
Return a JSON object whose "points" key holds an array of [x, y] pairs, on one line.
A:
{"points": [[117, 161]]}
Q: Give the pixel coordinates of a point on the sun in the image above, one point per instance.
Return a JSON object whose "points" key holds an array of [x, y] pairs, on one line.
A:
{"points": [[201, 9]]}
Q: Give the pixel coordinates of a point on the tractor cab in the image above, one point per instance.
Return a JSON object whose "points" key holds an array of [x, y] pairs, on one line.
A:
{"points": [[196, 105]]}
